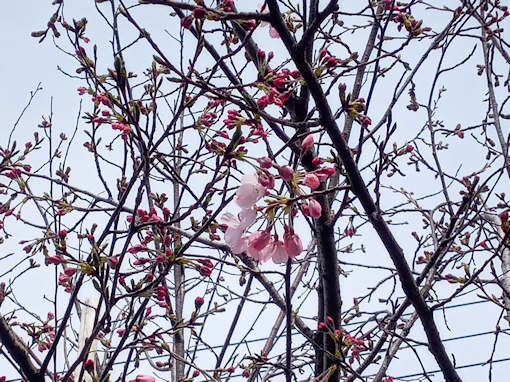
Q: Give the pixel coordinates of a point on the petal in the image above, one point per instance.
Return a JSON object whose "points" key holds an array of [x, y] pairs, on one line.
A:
{"points": [[253, 253], [250, 179], [247, 217], [268, 252], [273, 32], [246, 195], [233, 236], [240, 246], [230, 219], [280, 256]]}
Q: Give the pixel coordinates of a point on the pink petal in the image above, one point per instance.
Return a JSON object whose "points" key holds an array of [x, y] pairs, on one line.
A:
{"points": [[258, 241], [293, 245], [273, 32], [230, 220], [247, 217], [233, 237], [280, 255], [249, 192], [268, 252]]}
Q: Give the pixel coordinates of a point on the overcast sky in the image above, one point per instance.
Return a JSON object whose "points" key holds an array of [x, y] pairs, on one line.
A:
{"points": [[25, 64]]}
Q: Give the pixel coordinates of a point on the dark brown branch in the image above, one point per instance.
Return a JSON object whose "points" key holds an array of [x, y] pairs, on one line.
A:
{"points": [[359, 188], [18, 351]]}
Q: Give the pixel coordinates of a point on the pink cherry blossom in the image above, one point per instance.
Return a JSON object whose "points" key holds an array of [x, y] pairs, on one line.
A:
{"points": [[257, 241], [236, 227], [275, 251], [249, 192], [235, 240], [292, 243], [273, 32]]}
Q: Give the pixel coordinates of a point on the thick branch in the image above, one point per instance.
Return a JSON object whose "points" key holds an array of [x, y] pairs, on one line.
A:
{"points": [[18, 350], [360, 190]]}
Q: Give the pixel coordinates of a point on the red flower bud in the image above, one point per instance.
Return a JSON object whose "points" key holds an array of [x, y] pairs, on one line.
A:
{"points": [[89, 366], [199, 301], [186, 22]]}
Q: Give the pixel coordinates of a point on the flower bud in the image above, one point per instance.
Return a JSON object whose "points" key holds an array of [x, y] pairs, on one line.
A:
{"points": [[286, 172], [265, 162], [199, 301], [312, 181], [307, 142], [89, 366]]}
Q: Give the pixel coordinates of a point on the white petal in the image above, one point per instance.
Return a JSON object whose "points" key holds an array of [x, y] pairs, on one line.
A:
{"points": [[230, 219], [247, 217], [232, 236]]}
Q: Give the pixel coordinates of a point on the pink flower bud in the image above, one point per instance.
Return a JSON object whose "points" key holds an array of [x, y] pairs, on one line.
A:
{"points": [[317, 161], [265, 162], [199, 12], [312, 208], [307, 142], [286, 172], [266, 179], [186, 22], [312, 181], [145, 378], [62, 279], [324, 173], [70, 271], [113, 261], [55, 260]]}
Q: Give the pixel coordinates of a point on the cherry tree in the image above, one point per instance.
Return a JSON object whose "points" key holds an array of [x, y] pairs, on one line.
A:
{"points": [[290, 190]]}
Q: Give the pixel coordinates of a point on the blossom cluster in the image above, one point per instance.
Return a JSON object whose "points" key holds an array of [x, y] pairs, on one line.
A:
{"points": [[264, 244]]}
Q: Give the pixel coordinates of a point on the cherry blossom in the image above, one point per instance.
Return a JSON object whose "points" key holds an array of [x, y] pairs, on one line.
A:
{"points": [[236, 227], [292, 243], [275, 250], [250, 191], [256, 243]]}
